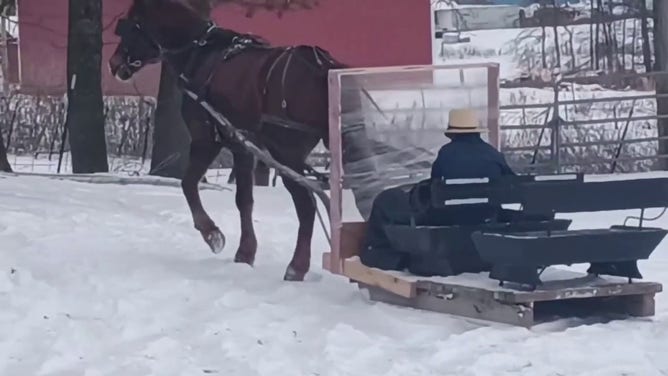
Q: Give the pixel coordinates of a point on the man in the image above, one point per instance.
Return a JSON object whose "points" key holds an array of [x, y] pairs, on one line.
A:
{"points": [[466, 156]]}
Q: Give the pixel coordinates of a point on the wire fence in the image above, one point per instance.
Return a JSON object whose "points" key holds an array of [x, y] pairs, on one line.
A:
{"points": [[33, 126], [574, 127], [567, 127]]}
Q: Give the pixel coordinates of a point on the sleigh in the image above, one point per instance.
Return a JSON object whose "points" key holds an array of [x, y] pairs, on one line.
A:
{"points": [[521, 280], [517, 269], [523, 271]]}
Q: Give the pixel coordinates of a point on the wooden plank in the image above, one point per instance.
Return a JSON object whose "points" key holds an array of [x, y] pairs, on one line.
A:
{"points": [[479, 304], [482, 304], [352, 238], [580, 297], [355, 270], [588, 291], [639, 305], [336, 170], [606, 306], [466, 305], [632, 305], [326, 261]]}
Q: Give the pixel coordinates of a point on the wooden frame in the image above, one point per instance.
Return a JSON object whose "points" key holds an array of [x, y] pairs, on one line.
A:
{"points": [[334, 264], [584, 296]]}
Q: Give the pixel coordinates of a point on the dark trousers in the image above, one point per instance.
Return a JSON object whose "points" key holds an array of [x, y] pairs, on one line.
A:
{"points": [[389, 207], [392, 207]]}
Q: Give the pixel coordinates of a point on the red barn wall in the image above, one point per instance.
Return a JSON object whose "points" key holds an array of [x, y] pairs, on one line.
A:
{"points": [[357, 32], [43, 49]]}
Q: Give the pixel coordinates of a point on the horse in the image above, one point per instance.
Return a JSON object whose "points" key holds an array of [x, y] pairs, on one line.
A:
{"points": [[276, 95]]}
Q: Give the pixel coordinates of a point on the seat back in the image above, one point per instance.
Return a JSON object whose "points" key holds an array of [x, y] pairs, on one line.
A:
{"points": [[574, 197], [561, 193], [498, 191]]}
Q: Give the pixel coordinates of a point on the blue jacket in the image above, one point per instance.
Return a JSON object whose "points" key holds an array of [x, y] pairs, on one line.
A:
{"points": [[468, 156]]}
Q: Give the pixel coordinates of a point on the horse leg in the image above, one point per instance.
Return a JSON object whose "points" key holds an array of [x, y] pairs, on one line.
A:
{"points": [[305, 208], [202, 154], [244, 166]]}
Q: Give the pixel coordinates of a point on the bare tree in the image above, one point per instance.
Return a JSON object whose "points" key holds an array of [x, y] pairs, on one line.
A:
{"points": [[85, 112], [644, 31], [171, 140], [6, 7], [4, 162], [661, 56]]}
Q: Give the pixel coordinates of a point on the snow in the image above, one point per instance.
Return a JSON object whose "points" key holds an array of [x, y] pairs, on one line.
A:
{"points": [[100, 279], [112, 279]]}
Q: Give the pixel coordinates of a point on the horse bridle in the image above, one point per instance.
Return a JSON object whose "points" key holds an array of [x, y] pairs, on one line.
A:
{"points": [[125, 28]]}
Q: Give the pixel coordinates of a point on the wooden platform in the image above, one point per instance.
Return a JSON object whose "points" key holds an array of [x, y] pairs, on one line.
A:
{"points": [[563, 294], [478, 298]]}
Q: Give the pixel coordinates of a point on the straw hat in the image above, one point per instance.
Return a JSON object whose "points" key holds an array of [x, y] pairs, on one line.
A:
{"points": [[463, 120]]}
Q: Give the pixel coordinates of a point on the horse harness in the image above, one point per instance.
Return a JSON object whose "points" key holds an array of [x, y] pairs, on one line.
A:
{"points": [[237, 45]]}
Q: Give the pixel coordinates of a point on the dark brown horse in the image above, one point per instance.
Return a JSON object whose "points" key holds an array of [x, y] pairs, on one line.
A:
{"points": [[277, 95]]}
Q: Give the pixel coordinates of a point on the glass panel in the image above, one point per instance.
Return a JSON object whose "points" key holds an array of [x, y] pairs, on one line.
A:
{"points": [[393, 123]]}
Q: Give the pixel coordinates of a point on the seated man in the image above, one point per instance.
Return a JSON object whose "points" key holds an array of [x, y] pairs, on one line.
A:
{"points": [[466, 156]]}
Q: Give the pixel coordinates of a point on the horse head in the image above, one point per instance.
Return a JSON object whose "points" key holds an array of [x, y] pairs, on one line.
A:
{"points": [[154, 29]]}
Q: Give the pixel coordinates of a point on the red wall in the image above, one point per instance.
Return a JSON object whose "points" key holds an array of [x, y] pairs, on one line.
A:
{"points": [[43, 49], [357, 32]]}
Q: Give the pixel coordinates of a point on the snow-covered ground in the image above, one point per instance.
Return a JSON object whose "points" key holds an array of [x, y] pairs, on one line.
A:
{"points": [[113, 280], [118, 166]]}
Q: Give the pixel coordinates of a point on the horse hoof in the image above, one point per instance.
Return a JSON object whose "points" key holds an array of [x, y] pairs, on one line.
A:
{"points": [[216, 241], [292, 275], [244, 259]]}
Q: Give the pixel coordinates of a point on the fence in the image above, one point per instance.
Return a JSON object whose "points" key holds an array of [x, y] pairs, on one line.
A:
{"points": [[589, 124], [572, 126], [33, 128]]}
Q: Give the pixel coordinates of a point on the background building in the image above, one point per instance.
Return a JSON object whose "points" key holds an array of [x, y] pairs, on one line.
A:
{"points": [[360, 33]]}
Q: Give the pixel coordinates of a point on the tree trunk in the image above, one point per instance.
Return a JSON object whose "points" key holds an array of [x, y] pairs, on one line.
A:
{"points": [[542, 48], [555, 29], [644, 31], [85, 111], [171, 140], [592, 55], [4, 163], [661, 56]]}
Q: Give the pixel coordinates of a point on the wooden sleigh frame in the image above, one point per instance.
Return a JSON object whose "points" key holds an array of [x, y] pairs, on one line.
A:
{"points": [[583, 295]]}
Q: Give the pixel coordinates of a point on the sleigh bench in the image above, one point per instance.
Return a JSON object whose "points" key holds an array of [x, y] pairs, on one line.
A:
{"points": [[517, 256], [514, 251], [510, 256]]}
